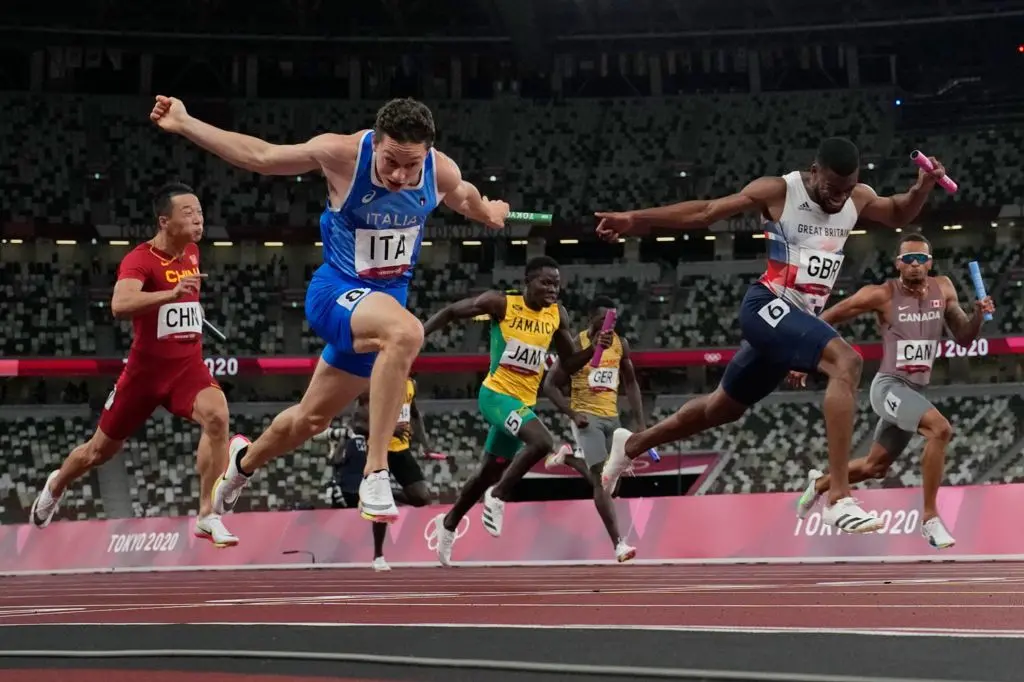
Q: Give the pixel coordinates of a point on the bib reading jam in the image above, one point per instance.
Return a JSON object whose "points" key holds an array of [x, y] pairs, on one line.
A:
{"points": [[371, 244], [595, 390], [519, 346]]}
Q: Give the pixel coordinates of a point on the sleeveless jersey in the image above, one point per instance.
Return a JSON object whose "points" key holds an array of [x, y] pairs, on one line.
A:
{"points": [[805, 248], [399, 443], [911, 338], [519, 345], [375, 235], [595, 390], [172, 330]]}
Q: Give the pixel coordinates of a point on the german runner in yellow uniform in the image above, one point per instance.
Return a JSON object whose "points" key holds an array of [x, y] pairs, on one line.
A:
{"points": [[593, 408], [524, 325]]}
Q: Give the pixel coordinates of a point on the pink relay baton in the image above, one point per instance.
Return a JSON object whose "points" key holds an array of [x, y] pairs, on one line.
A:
{"points": [[925, 164], [609, 323]]}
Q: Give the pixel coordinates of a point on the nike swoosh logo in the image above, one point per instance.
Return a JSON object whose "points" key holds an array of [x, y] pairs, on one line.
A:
{"points": [[904, 307]]}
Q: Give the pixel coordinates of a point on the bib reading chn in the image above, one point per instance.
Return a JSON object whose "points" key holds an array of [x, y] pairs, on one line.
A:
{"points": [[522, 358], [603, 379], [179, 318], [385, 253]]}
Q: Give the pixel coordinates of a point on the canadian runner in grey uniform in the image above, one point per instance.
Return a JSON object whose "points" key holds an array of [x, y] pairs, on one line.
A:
{"points": [[912, 311]]}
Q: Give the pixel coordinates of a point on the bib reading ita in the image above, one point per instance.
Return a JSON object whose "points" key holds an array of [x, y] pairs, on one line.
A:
{"points": [[373, 238]]}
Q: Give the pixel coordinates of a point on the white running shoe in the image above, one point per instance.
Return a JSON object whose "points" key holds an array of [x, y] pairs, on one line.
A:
{"points": [[376, 501], [624, 552], [380, 565], [44, 507], [810, 497], [494, 513], [210, 527], [445, 541], [934, 531], [558, 458], [617, 462], [847, 516], [229, 486]]}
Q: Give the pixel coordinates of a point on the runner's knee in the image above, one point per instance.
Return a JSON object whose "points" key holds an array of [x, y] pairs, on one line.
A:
{"points": [[877, 463], [405, 335], [878, 468], [212, 415], [844, 364], [936, 427], [418, 495], [100, 449], [311, 421], [720, 409]]}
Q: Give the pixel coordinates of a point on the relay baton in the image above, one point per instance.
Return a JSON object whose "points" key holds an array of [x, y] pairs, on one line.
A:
{"points": [[532, 218], [436, 455], [216, 332], [979, 284], [609, 324], [654, 455], [925, 164]]}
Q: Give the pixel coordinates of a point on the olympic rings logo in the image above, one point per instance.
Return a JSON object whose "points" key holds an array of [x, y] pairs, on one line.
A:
{"points": [[430, 532], [712, 358]]}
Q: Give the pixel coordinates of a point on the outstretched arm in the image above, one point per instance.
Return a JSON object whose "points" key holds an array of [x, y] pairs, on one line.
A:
{"points": [[572, 360], [867, 299], [252, 153], [488, 303], [632, 387], [419, 427], [899, 209], [759, 195], [464, 198], [552, 388], [963, 329]]}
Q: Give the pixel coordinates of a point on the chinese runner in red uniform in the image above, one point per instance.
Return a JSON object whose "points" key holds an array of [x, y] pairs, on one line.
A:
{"points": [[158, 288]]}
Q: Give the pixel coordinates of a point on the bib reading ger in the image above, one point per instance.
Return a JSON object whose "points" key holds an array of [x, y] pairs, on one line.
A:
{"points": [[179, 318], [915, 355], [385, 253], [603, 379], [522, 358]]}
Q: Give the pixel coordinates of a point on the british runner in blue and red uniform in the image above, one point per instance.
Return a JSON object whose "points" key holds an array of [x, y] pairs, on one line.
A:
{"points": [[382, 185], [807, 217]]}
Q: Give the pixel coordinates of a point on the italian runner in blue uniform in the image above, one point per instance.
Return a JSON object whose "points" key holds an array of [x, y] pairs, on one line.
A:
{"points": [[382, 184]]}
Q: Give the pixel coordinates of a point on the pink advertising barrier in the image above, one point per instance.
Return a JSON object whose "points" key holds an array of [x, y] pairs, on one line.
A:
{"points": [[713, 528]]}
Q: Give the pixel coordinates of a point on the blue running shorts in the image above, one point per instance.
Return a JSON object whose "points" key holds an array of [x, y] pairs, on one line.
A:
{"points": [[331, 300], [778, 338]]}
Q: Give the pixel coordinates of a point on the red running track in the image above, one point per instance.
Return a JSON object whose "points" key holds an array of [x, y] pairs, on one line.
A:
{"points": [[977, 598]]}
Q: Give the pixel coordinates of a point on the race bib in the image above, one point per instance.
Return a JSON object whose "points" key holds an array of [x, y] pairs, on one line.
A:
{"points": [[522, 358], [406, 416], [818, 270], [179, 318], [914, 356], [603, 379], [385, 253]]}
